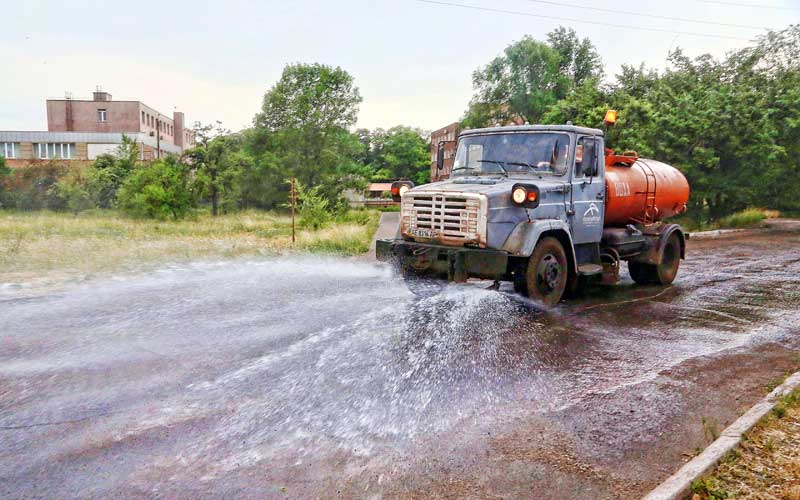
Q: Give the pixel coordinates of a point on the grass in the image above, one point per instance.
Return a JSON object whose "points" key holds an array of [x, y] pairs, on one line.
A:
{"points": [[751, 217], [766, 465], [748, 218], [36, 244]]}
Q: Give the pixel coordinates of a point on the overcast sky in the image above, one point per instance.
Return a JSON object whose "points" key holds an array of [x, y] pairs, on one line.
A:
{"points": [[411, 60]]}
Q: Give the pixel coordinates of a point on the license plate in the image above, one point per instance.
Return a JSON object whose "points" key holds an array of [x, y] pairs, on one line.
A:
{"points": [[422, 233]]}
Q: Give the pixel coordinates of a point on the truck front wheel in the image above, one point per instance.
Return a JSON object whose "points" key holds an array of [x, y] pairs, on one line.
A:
{"points": [[548, 272]]}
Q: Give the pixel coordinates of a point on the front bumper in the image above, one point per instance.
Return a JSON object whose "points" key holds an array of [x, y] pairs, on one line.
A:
{"points": [[454, 263]]}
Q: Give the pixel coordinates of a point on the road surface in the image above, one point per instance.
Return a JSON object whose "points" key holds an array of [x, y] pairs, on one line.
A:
{"points": [[321, 377]]}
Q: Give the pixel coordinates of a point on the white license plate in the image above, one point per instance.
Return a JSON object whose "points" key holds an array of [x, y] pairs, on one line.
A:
{"points": [[422, 233]]}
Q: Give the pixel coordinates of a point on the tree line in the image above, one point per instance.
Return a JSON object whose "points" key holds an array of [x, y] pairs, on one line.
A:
{"points": [[303, 130], [732, 125]]}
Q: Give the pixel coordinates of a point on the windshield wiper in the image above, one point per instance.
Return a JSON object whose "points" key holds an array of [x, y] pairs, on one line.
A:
{"points": [[499, 163], [528, 165]]}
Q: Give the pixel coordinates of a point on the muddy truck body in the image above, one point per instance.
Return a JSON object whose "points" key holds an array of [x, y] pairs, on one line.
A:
{"points": [[547, 208]]}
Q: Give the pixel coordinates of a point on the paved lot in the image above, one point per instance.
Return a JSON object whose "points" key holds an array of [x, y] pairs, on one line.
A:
{"points": [[311, 377]]}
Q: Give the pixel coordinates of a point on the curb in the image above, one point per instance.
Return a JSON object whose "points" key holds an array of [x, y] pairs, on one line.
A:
{"points": [[678, 486], [715, 233]]}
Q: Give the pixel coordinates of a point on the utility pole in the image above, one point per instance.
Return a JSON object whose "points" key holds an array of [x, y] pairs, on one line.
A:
{"points": [[294, 203], [158, 138]]}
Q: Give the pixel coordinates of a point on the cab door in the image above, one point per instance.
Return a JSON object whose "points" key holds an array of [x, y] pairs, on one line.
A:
{"points": [[588, 191]]}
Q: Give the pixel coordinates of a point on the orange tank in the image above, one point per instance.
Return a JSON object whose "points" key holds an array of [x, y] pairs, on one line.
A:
{"points": [[640, 191]]}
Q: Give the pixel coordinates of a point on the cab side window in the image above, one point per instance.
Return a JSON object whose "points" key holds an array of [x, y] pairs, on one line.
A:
{"points": [[586, 163]]}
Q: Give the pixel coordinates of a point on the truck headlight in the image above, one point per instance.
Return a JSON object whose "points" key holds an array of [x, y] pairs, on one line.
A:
{"points": [[525, 195]]}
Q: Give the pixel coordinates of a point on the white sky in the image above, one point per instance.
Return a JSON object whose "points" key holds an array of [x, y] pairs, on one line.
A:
{"points": [[412, 61]]}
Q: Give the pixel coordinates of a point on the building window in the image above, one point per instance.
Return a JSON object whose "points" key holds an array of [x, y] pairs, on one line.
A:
{"points": [[55, 151], [9, 150], [101, 115], [143, 118]]}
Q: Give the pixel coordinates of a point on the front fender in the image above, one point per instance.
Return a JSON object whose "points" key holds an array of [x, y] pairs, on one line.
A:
{"points": [[526, 235]]}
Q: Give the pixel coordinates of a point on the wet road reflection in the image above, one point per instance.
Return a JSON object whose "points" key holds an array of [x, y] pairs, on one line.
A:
{"points": [[303, 375]]}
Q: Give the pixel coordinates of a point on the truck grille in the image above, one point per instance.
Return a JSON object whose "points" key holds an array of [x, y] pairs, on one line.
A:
{"points": [[451, 218]]}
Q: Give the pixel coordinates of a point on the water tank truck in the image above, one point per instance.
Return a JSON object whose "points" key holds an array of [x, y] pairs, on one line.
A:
{"points": [[546, 207]]}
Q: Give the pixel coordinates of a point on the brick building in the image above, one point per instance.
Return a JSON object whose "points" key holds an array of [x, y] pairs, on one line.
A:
{"points": [[81, 130], [447, 135]]}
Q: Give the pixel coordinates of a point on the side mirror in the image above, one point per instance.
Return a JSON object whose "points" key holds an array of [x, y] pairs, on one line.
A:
{"points": [[590, 167], [440, 156]]}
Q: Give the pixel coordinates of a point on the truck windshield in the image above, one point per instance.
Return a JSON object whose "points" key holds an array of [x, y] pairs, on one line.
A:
{"points": [[512, 153]]}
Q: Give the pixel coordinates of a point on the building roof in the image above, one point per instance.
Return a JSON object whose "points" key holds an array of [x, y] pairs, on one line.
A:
{"points": [[446, 128], [380, 186], [85, 137]]}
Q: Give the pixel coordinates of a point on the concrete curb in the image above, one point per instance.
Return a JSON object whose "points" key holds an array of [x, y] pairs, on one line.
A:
{"points": [[678, 486], [716, 233]]}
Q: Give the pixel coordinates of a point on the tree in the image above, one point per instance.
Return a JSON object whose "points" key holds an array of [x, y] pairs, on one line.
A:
{"points": [[4, 172], [213, 159], [579, 59], [523, 83], [160, 190], [312, 96], [399, 153], [302, 131], [108, 172]]}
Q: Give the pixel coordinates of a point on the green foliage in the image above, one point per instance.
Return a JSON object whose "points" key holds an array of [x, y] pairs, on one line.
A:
{"points": [[218, 166], [532, 77], [313, 208], [398, 153], [707, 489], [4, 172], [313, 96], [578, 59], [29, 187], [302, 132], [523, 83], [750, 217], [71, 190], [106, 175], [161, 190]]}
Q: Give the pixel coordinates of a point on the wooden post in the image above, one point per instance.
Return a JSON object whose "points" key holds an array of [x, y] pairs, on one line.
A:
{"points": [[294, 203]]}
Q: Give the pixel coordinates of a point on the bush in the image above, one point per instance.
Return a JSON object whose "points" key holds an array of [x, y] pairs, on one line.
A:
{"points": [[313, 207], [70, 191], [160, 190], [746, 218], [28, 188]]}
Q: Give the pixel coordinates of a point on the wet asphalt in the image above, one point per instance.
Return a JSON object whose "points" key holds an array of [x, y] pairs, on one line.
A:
{"points": [[310, 377]]}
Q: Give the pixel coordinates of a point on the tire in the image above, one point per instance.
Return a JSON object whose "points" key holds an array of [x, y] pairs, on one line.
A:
{"points": [[641, 273], [665, 272], [667, 269], [548, 272]]}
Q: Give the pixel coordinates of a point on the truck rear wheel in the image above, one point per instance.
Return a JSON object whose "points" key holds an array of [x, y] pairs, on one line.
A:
{"points": [[548, 272], [665, 272]]}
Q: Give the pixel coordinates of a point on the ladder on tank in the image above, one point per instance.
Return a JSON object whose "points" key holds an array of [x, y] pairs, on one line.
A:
{"points": [[650, 208]]}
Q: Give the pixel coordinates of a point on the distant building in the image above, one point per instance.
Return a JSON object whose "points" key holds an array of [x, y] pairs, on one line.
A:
{"points": [[447, 135], [81, 130], [377, 194]]}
